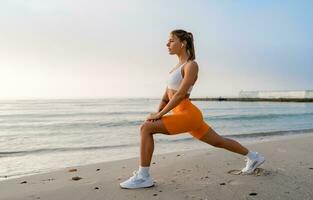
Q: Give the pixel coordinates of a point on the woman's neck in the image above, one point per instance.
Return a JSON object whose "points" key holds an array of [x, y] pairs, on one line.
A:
{"points": [[183, 57]]}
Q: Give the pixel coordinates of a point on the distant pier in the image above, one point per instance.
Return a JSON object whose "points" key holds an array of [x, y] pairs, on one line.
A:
{"points": [[254, 99], [278, 95]]}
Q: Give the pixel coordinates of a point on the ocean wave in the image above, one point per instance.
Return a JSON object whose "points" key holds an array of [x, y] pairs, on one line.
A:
{"points": [[255, 116], [73, 124], [80, 114], [270, 133], [63, 149]]}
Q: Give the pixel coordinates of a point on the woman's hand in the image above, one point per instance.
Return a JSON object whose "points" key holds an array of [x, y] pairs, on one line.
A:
{"points": [[154, 116]]}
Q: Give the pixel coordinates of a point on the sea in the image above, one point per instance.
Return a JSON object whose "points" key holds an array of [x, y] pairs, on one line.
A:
{"points": [[43, 135]]}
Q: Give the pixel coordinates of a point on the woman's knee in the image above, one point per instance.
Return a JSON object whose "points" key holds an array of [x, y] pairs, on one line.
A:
{"points": [[145, 128], [213, 139]]}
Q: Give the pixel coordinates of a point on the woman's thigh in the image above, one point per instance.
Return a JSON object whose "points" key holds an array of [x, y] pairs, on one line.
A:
{"points": [[172, 124], [179, 123]]}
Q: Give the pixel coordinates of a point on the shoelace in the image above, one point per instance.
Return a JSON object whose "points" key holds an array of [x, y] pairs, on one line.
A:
{"points": [[135, 175], [246, 159]]}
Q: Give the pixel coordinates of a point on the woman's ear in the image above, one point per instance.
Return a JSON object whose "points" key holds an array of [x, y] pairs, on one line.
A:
{"points": [[183, 44]]}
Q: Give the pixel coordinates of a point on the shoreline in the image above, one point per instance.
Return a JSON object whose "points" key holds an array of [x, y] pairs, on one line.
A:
{"points": [[192, 174], [253, 139]]}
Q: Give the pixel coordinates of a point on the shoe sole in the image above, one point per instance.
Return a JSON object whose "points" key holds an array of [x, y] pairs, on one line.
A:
{"points": [[138, 187], [256, 166]]}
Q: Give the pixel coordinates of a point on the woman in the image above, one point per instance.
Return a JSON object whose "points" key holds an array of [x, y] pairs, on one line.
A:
{"points": [[186, 117]]}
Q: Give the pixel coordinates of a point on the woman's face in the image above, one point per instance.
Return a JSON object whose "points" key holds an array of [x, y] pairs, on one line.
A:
{"points": [[174, 45]]}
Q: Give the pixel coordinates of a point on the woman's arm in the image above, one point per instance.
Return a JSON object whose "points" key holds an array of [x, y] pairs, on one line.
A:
{"points": [[190, 73], [164, 101]]}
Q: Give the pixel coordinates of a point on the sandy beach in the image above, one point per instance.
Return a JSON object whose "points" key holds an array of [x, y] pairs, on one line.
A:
{"points": [[197, 174]]}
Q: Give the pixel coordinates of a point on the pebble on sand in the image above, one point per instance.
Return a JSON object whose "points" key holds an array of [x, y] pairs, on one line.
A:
{"points": [[253, 194], [76, 178]]}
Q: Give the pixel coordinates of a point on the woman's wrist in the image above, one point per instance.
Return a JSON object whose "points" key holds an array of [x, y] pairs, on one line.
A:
{"points": [[160, 114]]}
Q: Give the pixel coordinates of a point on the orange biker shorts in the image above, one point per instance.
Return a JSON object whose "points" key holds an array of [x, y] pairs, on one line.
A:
{"points": [[186, 117]]}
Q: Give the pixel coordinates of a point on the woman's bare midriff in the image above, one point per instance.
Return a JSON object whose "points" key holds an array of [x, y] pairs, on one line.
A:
{"points": [[170, 93]]}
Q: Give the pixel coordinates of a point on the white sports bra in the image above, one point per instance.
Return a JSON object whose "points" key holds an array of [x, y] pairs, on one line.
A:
{"points": [[175, 78]]}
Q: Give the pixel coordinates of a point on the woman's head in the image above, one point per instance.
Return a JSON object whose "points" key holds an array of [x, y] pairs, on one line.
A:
{"points": [[181, 40]]}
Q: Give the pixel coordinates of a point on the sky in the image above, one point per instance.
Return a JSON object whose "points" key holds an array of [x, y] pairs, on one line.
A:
{"points": [[108, 49]]}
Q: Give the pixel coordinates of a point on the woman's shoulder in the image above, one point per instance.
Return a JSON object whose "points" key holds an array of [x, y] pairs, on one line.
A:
{"points": [[192, 64]]}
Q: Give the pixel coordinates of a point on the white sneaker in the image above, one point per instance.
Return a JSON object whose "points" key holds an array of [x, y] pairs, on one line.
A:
{"points": [[137, 181], [251, 165]]}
